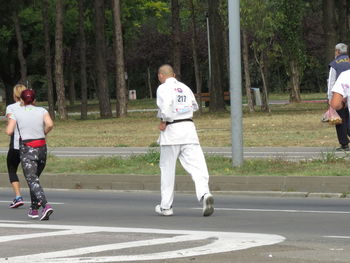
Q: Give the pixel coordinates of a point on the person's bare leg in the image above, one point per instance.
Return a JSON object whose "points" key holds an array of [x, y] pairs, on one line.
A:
{"points": [[16, 188]]}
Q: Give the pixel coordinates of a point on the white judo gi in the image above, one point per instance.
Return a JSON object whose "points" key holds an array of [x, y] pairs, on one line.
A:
{"points": [[176, 102]]}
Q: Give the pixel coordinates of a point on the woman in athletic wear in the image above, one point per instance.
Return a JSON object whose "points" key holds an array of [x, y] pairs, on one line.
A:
{"points": [[33, 123], [13, 152]]}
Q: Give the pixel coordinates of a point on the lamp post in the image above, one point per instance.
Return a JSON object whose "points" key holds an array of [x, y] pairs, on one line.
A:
{"points": [[235, 82], [208, 37]]}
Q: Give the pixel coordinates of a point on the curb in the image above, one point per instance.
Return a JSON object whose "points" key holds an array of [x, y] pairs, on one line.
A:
{"points": [[283, 186]]}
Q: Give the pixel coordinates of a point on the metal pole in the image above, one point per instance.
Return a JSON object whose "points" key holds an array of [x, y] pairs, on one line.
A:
{"points": [[209, 55], [235, 82]]}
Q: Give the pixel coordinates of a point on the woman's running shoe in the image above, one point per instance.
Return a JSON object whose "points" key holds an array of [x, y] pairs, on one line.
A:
{"points": [[17, 202], [47, 211], [33, 213]]}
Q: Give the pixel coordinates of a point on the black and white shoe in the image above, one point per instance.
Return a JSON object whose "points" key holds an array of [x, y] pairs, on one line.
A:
{"points": [[17, 202], [343, 148]]}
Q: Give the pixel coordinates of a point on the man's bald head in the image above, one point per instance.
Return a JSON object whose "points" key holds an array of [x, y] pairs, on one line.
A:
{"points": [[165, 71]]}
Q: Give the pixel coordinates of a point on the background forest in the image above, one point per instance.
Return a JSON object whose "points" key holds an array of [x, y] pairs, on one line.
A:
{"points": [[75, 51]]}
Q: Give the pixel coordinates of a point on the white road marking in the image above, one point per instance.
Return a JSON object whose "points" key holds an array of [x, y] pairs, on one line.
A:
{"points": [[340, 237], [280, 210], [10, 221], [38, 235], [51, 203], [215, 242]]}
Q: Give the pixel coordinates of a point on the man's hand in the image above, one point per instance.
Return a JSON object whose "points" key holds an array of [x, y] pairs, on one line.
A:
{"points": [[162, 125], [337, 101]]}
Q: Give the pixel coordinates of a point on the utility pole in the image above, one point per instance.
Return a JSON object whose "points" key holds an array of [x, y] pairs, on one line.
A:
{"points": [[235, 82]]}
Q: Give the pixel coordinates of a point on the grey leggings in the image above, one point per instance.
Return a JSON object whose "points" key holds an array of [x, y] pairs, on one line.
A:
{"points": [[33, 161]]}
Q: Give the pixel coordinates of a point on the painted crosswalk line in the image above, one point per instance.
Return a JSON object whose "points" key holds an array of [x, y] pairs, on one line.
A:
{"points": [[198, 243]]}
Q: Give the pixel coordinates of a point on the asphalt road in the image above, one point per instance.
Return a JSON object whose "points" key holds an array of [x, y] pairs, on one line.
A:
{"points": [[289, 153], [109, 226]]}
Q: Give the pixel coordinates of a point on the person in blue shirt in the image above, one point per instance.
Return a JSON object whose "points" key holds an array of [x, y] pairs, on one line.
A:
{"points": [[340, 64]]}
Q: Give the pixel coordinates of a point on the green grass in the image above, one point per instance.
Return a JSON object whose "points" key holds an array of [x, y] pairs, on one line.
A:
{"points": [[287, 125], [148, 164]]}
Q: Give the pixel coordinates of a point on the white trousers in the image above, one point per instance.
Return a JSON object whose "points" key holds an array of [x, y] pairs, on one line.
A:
{"points": [[192, 159]]}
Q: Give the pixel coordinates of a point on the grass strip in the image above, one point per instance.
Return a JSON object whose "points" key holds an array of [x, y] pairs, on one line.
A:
{"points": [[148, 164]]}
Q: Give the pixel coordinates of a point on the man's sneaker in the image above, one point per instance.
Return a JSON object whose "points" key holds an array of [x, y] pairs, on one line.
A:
{"points": [[33, 213], [164, 212], [343, 148], [47, 211], [17, 202], [208, 201]]}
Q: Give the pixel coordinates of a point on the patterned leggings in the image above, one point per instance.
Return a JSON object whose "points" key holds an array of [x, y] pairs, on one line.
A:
{"points": [[33, 161]]}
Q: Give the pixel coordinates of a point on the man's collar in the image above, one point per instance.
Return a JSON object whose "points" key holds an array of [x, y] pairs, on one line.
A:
{"points": [[170, 79]]}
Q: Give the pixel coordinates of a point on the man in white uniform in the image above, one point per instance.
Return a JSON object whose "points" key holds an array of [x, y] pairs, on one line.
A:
{"points": [[178, 139], [341, 91]]}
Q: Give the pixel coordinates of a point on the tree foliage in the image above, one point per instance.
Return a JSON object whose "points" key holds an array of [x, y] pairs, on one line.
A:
{"points": [[287, 44]]}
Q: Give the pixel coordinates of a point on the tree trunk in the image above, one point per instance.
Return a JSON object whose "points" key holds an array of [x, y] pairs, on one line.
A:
{"points": [[101, 67], [195, 55], [9, 80], [265, 99], [343, 26], [176, 34], [149, 82], [83, 79], [217, 102], [21, 58], [121, 91], [225, 58], [245, 53], [295, 82], [266, 79], [329, 28], [71, 86], [94, 85], [61, 101], [70, 73], [48, 65]]}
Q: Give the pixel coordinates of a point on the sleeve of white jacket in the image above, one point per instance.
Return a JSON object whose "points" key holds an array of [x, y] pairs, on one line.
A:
{"points": [[164, 103], [194, 103]]}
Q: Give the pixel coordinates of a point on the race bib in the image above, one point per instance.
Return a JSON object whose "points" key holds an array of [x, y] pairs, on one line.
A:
{"points": [[182, 101]]}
